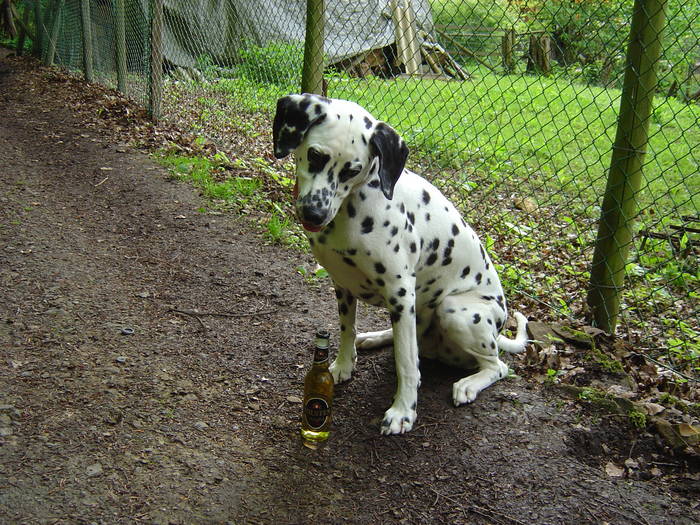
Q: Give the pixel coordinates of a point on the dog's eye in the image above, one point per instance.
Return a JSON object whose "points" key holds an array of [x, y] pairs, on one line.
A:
{"points": [[314, 155], [317, 160], [348, 172]]}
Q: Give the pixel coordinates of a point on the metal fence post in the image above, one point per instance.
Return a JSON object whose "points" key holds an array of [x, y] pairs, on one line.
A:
{"points": [[87, 40], [312, 72], [120, 47], [155, 95], [619, 209], [40, 29], [53, 37]]}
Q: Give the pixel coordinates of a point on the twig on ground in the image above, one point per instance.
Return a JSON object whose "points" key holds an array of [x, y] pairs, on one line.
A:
{"points": [[191, 314], [221, 314]]}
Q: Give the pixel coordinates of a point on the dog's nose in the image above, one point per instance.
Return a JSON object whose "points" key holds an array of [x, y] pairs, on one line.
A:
{"points": [[313, 215]]}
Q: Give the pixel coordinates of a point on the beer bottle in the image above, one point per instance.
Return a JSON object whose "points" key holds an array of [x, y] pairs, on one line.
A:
{"points": [[318, 395]]}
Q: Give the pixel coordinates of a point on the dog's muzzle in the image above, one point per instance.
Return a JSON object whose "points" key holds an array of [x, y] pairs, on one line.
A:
{"points": [[310, 215]]}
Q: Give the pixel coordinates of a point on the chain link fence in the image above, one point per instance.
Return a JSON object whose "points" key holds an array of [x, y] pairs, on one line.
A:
{"points": [[510, 107]]}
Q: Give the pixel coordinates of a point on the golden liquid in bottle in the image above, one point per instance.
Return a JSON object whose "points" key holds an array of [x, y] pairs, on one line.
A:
{"points": [[318, 396]]}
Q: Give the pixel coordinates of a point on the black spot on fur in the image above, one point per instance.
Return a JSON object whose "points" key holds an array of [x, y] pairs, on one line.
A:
{"points": [[368, 123], [431, 259], [478, 278], [347, 172], [367, 224], [402, 292], [379, 267], [455, 230], [413, 247], [351, 210], [349, 261], [426, 197], [477, 318], [465, 272]]}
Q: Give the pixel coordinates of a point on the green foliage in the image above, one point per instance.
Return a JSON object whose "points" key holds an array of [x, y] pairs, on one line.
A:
{"points": [[638, 419], [278, 63], [312, 277], [474, 13], [207, 176], [277, 228]]}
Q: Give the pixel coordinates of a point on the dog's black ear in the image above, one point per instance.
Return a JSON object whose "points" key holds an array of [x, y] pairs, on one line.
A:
{"points": [[295, 116], [392, 151]]}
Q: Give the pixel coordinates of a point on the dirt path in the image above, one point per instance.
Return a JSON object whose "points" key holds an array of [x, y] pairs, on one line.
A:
{"points": [[193, 419]]}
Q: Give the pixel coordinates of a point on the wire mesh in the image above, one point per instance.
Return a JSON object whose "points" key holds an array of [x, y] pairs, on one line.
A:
{"points": [[510, 107]]}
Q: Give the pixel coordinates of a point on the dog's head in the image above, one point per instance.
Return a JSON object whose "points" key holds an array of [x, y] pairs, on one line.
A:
{"points": [[338, 146]]}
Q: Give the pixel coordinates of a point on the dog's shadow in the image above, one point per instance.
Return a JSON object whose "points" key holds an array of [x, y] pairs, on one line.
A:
{"points": [[377, 373]]}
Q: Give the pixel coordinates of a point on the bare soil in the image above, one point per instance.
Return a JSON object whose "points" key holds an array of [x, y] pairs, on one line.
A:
{"points": [[153, 356]]}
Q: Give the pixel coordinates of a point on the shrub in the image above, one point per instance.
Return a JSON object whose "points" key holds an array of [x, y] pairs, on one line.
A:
{"points": [[278, 63]]}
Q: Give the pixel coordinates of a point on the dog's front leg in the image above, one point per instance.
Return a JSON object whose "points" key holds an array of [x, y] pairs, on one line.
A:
{"points": [[345, 361], [402, 414]]}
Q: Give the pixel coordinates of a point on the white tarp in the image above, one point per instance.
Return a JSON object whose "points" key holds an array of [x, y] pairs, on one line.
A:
{"points": [[217, 28]]}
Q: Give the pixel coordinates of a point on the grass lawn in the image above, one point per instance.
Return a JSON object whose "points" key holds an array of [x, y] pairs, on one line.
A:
{"points": [[553, 136]]}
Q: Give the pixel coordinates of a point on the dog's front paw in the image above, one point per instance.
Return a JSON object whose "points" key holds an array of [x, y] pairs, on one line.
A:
{"points": [[341, 371], [398, 421], [464, 391]]}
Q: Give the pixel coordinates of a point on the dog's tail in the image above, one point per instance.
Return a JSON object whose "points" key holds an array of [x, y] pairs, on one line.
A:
{"points": [[514, 346]]}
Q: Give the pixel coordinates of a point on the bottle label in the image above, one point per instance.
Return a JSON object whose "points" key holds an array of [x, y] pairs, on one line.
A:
{"points": [[317, 412]]}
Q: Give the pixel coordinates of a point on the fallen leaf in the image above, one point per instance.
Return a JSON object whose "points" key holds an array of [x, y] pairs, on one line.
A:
{"points": [[613, 470]]}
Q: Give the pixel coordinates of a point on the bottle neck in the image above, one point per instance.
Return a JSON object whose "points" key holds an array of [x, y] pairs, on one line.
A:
{"points": [[320, 355]]}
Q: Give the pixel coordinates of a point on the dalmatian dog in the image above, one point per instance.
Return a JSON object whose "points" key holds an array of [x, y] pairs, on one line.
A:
{"points": [[389, 238]]}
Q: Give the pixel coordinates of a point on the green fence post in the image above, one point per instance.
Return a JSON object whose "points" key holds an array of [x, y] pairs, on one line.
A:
{"points": [[53, 37], [120, 44], [40, 29], [24, 24], [312, 73], [619, 210], [155, 92], [87, 40]]}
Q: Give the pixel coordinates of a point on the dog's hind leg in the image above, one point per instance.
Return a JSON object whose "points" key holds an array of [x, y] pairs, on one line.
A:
{"points": [[468, 323], [372, 340]]}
